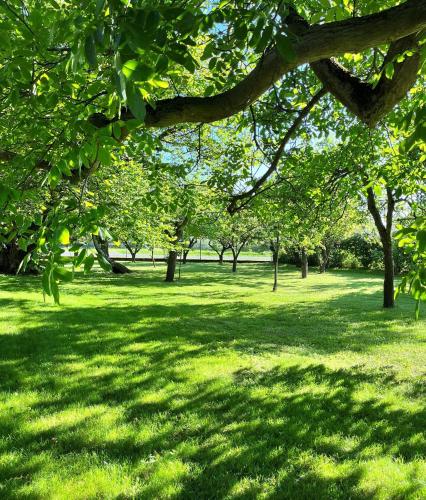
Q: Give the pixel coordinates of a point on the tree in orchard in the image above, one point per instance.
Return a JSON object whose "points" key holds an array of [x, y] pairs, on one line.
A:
{"points": [[233, 232], [106, 68], [132, 213], [384, 179], [183, 200]]}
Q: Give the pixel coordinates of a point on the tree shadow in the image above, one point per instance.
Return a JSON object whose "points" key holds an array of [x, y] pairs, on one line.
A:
{"points": [[128, 370]]}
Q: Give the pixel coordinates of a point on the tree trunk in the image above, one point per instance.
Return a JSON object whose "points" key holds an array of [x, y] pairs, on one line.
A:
{"points": [[11, 257], [304, 259], [102, 248], [323, 260], [185, 255], [191, 244], [275, 247], [234, 265], [171, 266], [234, 260], [385, 232], [388, 284], [173, 254], [221, 256]]}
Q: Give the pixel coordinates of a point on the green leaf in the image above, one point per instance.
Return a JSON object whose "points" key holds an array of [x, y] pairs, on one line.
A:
{"points": [[46, 281], [162, 64], [389, 70], [79, 259], [285, 48], [129, 68], [54, 288], [64, 236], [90, 50], [136, 104], [421, 238], [99, 7], [104, 156], [62, 274], [106, 266], [88, 263], [116, 130], [152, 20]]}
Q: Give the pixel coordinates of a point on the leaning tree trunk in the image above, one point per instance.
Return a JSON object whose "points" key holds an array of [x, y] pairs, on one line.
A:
{"points": [[304, 259], [101, 247]]}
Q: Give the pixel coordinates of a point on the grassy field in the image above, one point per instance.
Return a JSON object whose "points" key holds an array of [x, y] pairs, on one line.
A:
{"points": [[212, 387]]}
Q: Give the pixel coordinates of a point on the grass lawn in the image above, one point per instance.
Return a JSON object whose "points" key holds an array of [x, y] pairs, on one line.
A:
{"points": [[213, 387]]}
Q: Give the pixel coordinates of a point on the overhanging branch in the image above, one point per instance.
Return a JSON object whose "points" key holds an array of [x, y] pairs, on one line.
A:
{"points": [[316, 43]]}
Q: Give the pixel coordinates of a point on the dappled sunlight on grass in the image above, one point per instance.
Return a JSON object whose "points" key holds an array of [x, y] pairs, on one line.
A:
{"points": [[212, 387]]}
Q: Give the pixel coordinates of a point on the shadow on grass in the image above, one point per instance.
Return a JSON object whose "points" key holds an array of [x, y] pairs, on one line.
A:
{"points": [[276, 424]]}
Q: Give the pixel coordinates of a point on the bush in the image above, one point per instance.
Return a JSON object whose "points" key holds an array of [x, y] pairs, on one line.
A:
{"points": [[366, 250], [356, 252], [349, 260]]}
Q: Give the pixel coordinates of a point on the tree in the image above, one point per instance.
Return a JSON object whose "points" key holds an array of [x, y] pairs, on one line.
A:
{"points": [[233, 232], [384, 178]]}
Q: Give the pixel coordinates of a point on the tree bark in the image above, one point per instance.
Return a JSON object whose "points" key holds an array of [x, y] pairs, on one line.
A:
{"points": [[173, 254], [185, 255], [221, 256], [234, 260], [221, 252], [304, 259], [171, 266], [102, 248], [388, 284]]}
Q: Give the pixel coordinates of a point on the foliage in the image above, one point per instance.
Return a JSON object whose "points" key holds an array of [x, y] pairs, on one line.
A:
{"points": [[413, 240]]}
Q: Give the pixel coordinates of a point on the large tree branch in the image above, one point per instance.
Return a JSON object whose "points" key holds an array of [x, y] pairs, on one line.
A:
{"points": [[316, 43], [366, 101], [278, 153]]}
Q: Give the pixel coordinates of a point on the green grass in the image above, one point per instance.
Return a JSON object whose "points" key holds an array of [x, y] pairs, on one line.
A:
{"points": [[212, 387]]}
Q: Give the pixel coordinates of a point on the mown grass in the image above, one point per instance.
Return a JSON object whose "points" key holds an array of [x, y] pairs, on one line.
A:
{"points": [[212, 387]]}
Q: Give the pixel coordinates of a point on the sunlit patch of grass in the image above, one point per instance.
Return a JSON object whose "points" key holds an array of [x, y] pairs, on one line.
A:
{"points": [[212, 387]]}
